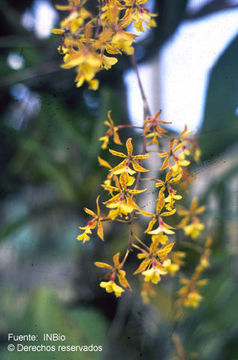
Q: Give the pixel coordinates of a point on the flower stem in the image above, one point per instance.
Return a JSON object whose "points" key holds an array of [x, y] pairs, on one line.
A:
{"points": [[146, 107], [147, 112]]}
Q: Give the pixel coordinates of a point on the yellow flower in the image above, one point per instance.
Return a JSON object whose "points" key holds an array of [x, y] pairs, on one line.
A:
{"points": [[172, 268], [75, 19], [123, 202], [162, 228], [111, 12], [154, 255], [108, 62], [96, 221], [162, 239], [194, 229], [204, 260], [110, 286], [142, 15], [112, 131], [116, 271], [153, 274], [87, 231], [197, 155], [157, 131], [121, 41], [137, 14], [179, 160], [191, 215], [170, 199], [158, 217], [86, 34], [193, 299], [88, 64], [124, 166]]}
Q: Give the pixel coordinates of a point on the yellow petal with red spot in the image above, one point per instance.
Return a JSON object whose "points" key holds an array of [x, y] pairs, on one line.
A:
{"points": [[136, 191], [98, 208], [58, 31], [116, 260], [122, 279], [110, 188], [200, 210], [194, 204], [142, 266], [150, 225], [117, 153], [103, 162], [168, 213], [100, 230], [141, 157], [120, 168], [129, 147], [146, 213], [165, 164], [116, 138], [63, 7], [138, 167], [90, 212], [131, 203], [163, 154], [142, 256], [165, 250], [123, 180], [183, 222], [113, 201], [103, 265]]}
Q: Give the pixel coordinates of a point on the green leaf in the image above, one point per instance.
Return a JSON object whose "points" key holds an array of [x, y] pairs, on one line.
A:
{"points": [[220, 123]]}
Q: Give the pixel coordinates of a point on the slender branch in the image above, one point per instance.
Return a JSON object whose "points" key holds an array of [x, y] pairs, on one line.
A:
{"points": [[146, 107], [147, 112], [130, 126], [141, 242], [139, 248], [123, 221], [124, 259], [179, 347], [130, 242]]}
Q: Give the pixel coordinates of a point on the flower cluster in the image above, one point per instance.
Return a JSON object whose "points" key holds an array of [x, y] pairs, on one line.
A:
{"points": [[89, 40], [90, 43], [115, 272], [195, 227], [156, 254], [189, 294]]}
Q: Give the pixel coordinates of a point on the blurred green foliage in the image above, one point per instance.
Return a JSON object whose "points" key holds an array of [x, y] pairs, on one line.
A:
{"points": [[45, 315]]}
